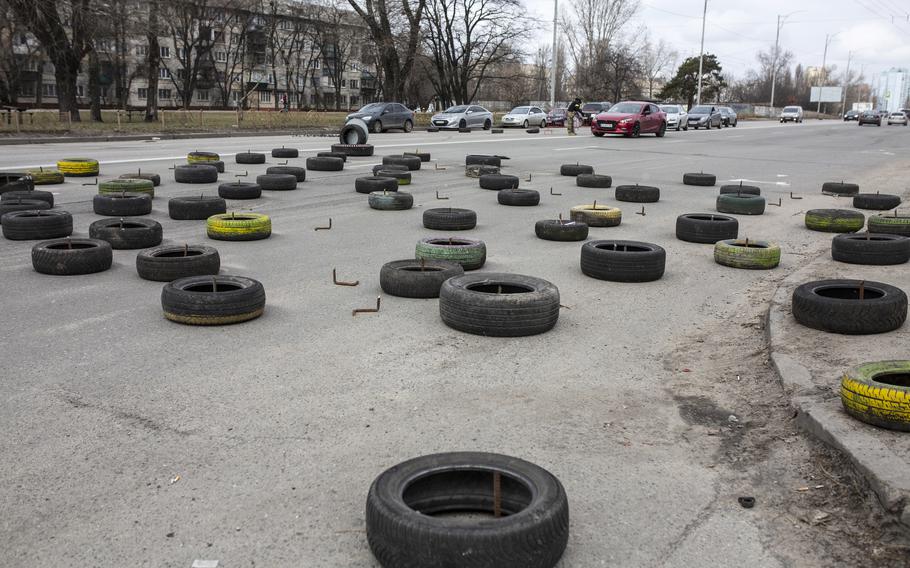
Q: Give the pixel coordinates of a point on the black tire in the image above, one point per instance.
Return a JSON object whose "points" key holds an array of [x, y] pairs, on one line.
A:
{"points": [[377, 127], [127, 233], [37, 225], [122, 205], [16, 181], [891, 224], [478, 170], [623, 261], [412, 162], [250, 158], [219, 165], [496, 131], [71, 257], [30, 194], [835, 220], [575, 169], [740, 190], [277, 182], [876, 201], [408, 126], [375, 183], [340, 155], [22, 205], [133, 185], [424, 156], [706, 228], [402, 177], [296, 171], [240, 190], [637, 193], [487, 124], [700, 179], [662, 130], [479, 159], [286, 152], [324, 164], [871, 248], [533, 131], [556, 230], [212, 300], [170, 262], [840, 188], [532, 533], [739, 204], [354, 149], [593, 180], [449, 219], [499, 304], [834, 306], [471, 254], [416, 278], [196, 208], [498, 181], [390, 200], [154, 178], [389, 168], [518, 197], [196, 173]]}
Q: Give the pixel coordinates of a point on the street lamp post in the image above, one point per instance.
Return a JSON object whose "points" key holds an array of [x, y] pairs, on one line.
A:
{"points": [[781, 20], [823, 80], [553, 57], [701, 54], [843, 103]]}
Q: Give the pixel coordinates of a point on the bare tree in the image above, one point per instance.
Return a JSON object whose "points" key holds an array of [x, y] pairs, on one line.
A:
{"points": [[17, 53], [228, 57], [395, 27], [466, 39], [336, 39], [656, 61], [64, 30], [153, 61]]}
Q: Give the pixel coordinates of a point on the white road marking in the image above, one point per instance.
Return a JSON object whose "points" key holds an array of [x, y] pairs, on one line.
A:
{"points": [[744, 180]]}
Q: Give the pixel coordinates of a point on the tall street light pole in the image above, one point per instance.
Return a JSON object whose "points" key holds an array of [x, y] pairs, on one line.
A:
{"points": [[821, 80], [701, 55], [843, 102], [781, 20], [553, 57]]}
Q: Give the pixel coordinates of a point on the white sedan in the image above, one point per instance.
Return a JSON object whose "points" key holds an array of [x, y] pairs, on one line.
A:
{"points": [[897, 118], [525, 116]]}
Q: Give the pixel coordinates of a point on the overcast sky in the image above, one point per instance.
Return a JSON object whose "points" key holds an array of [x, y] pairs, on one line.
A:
{"points": [[737, 29]]}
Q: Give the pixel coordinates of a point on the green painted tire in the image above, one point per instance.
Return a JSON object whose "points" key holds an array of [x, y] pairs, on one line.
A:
{"points": [[391, 200], [744, 253], [834, 220], [469, 253], [129, 185], [44, 176], [740, 204], [890, 224]]}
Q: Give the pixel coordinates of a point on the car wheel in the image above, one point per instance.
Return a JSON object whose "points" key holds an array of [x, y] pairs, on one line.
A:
{"points": [[686, 128], [488, 124], [543, 123], [636, 130], [463, 124], [525, 124], [377, 127], [734, 123], [695, 127], [408, 126], [662, 130]]}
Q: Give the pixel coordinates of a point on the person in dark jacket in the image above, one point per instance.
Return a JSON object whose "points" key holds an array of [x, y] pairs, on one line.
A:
{"points": [[572, 111]]}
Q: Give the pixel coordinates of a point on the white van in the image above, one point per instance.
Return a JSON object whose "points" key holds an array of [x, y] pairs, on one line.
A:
{"points": [[791, 113]]}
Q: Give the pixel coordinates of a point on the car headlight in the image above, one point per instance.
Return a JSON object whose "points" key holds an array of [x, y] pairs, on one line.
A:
{"points": [[703, 119], [625, 121]]}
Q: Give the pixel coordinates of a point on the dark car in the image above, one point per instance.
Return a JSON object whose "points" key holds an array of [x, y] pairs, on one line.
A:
{"points": [[705, 116], [590, 109], [557, 117], [728, 116], [870, 117], [851, 115], [383, 116], [630, 118]]}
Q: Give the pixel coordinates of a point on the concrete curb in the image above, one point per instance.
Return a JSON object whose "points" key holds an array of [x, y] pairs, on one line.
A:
{"points": [[822, 415], [63, 139]]}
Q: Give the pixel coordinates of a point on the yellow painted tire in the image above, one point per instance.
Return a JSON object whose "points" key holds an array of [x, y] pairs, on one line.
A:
{"points": [[879, 394], [239, 227], [202, 157], [78, 167], [597, 215], [44, 176]]}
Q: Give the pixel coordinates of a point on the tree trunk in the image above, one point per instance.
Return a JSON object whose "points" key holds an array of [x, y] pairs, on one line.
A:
{"points": [[66, 70], [94, 86], [154, 61], [39, 82]]}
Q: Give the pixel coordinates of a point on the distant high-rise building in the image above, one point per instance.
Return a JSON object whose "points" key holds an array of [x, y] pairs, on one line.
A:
{"points": [[893, 89]]}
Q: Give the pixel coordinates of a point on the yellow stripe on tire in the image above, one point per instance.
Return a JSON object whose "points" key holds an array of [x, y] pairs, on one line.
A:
{"points": [[878, 393], [239, 227], [213, 320], [78, 167]]}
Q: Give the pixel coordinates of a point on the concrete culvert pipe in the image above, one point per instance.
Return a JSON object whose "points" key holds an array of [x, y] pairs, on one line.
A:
{"points": [[354, 131]]}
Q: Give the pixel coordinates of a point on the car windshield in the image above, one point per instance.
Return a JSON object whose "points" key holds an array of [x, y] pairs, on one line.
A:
{"points": [[897, 114], [456, 109], [626, 108], [700, 110], [590, 107], [372, 107], [791, 109], [670, 109], [520, 110]]}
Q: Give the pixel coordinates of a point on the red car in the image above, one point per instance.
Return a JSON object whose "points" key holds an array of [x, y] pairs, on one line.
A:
{"points": [[630, 118]]}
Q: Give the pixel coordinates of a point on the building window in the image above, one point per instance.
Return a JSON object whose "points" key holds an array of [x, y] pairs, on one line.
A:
{"points": [[142, 93], [353, 83], [164, 94], [285, 25], [164, 51], [317, 64], [265, 97], [80, 90], [202, 95], [49, 90], [163, 73], [142, 50], [181, 74], [344, 82], [221, 56]]}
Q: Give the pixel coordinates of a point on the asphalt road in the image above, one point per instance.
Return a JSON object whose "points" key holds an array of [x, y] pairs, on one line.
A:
{"points": [[133, 441]]}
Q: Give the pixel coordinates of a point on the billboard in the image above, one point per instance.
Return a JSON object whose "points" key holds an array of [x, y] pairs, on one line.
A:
{"points": [[828, 94]]}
